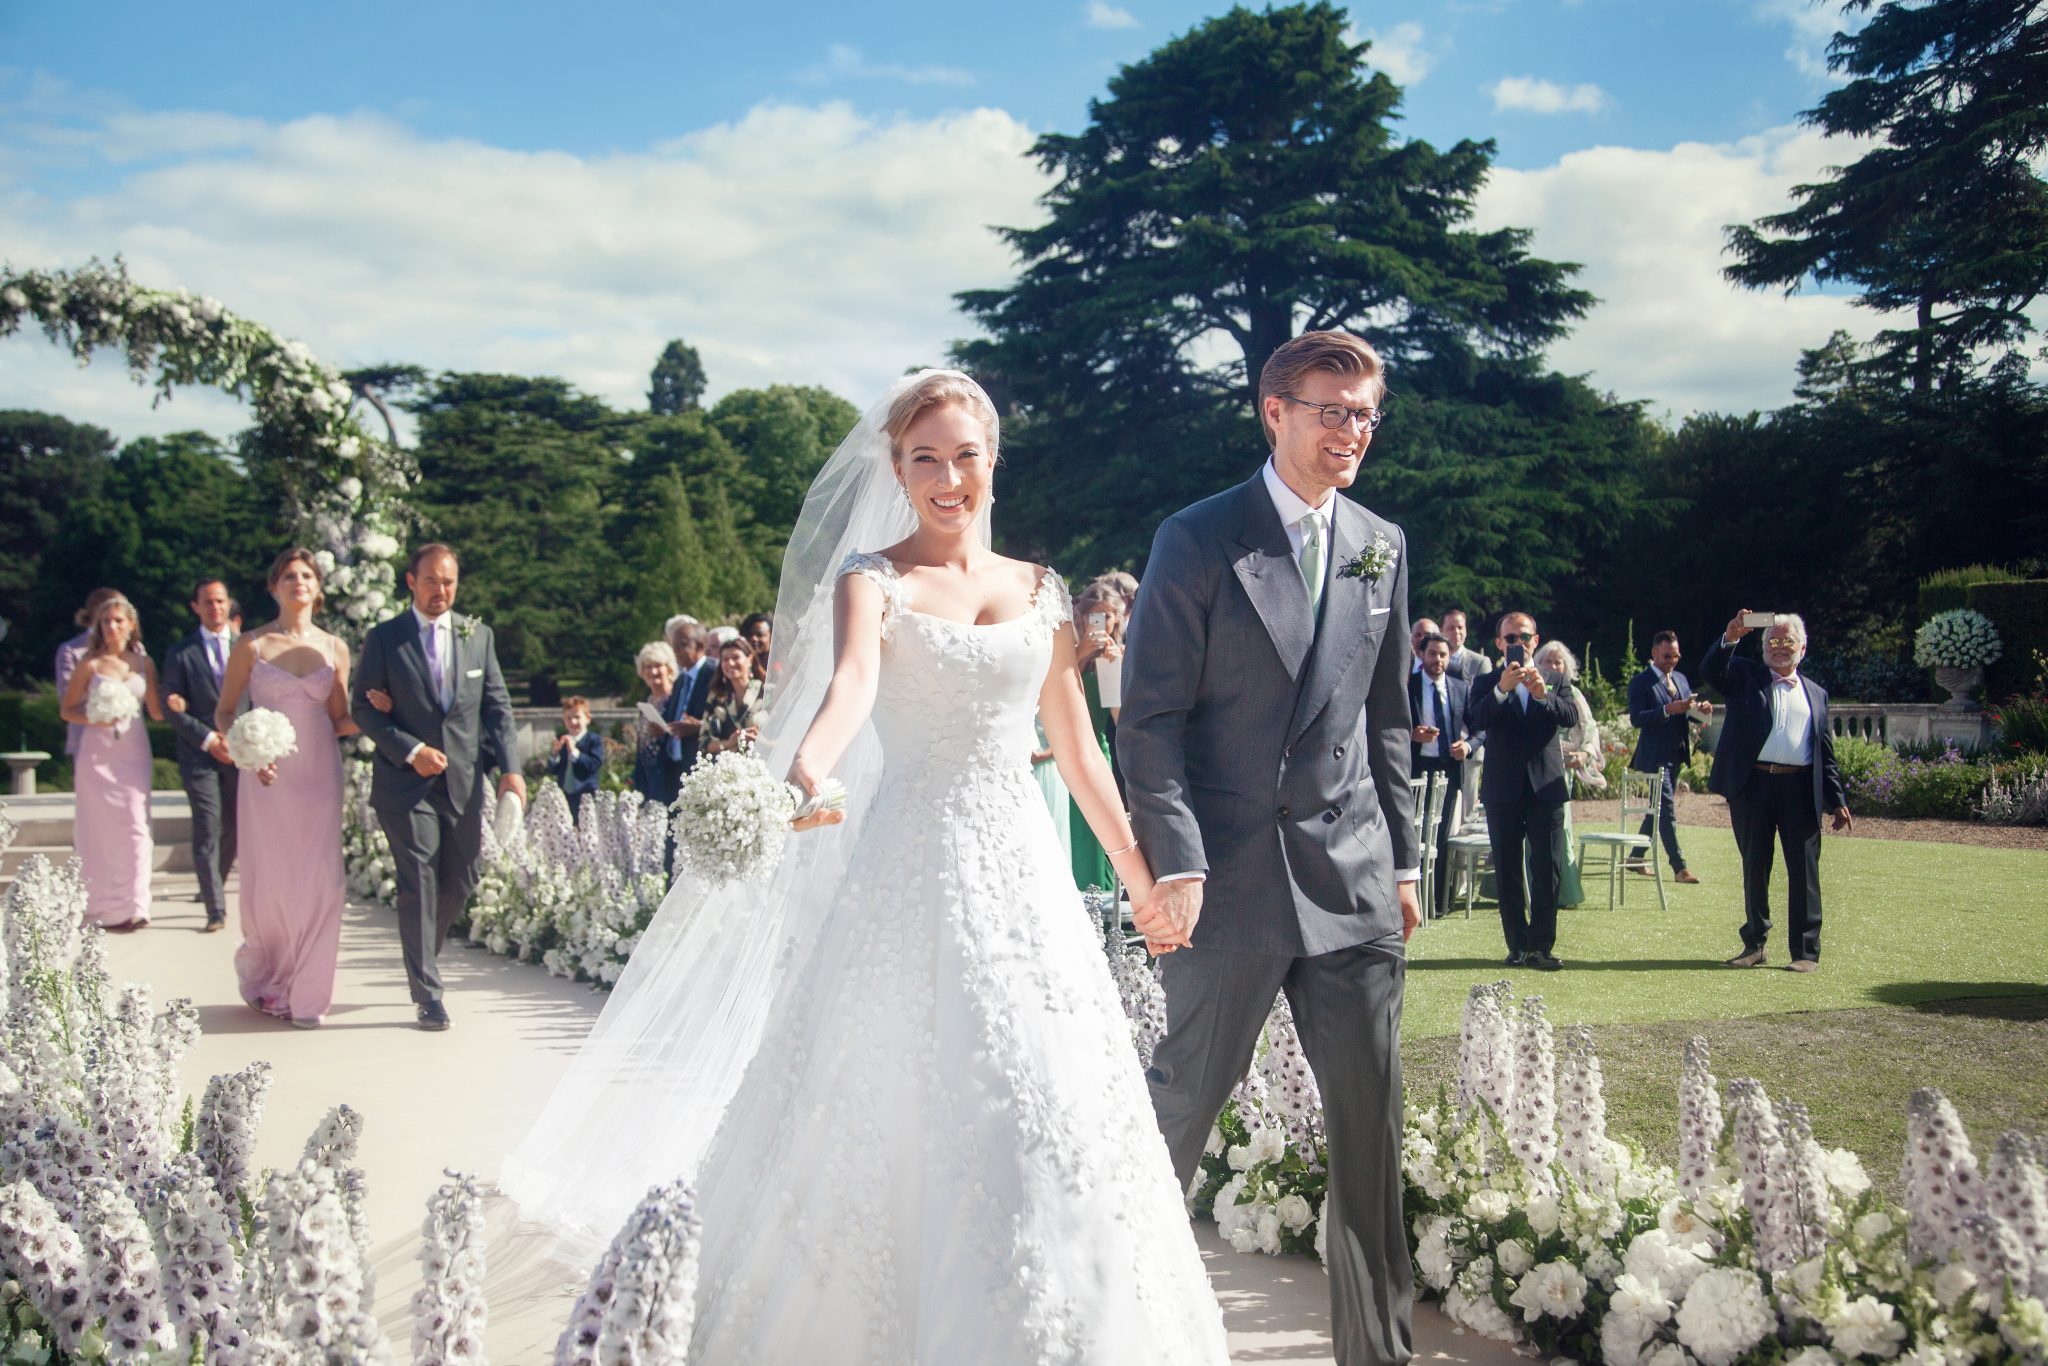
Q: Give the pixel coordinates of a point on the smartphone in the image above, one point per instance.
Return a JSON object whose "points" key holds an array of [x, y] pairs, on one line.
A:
{"points": [[1098, 621], [1757, 621], [1517, 653]]}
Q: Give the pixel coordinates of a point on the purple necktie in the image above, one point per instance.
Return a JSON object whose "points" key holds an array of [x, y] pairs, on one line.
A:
{"points": [[213, 657], [434, 670]]}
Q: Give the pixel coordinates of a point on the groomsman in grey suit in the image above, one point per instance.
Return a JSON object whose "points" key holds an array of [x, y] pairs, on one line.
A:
{"points": [[192, 673], [1264, 737], [450, 720]]}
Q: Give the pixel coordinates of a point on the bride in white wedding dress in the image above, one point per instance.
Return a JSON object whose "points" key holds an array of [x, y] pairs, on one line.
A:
{"points": [[900, 1078]]}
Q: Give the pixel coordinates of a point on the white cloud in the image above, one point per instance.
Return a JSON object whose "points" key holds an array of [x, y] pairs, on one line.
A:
{"points": [[844, 61], [1101, 15], [1398, 51], [1647, 226], [1813, 25], [1536, 96], [797, 244]]}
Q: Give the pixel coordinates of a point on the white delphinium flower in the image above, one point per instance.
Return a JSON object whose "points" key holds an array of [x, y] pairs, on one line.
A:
{"points": [[1866, 1326], [305, 1278], [1532, 1113], [1553, 1290], [124, 1275], [198, 1234], [732, 818], [448, 1308], [1811, 1205], [260, 737], [2016, 1190], [638, 1307], [224, 1133], [1582, 1111], [1699, 1119], [1291, 1088], [1724, 1315], [1943, 1187], [44, 1252], [1486, 1051], [1766, 1176], [332, 1145], [1996, 1255]]}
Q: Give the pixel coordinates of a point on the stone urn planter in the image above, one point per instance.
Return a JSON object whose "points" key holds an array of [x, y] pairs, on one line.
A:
{"points": [[1961, 686]]}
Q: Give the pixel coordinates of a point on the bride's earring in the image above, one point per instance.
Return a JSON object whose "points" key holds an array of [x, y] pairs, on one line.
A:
{"points": [[907, 499]]}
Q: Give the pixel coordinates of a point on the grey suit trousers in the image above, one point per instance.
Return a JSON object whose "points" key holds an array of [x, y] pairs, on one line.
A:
{"points": [[1347, 1007], [212, 789], [438, 853]]}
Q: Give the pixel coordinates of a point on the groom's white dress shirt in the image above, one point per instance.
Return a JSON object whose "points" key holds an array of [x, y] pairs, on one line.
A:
{"points": [[1293, 514], [445, 643]]}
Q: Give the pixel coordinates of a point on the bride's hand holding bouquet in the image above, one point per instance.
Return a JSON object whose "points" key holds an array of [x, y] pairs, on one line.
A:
{"points": [[824, 799]]}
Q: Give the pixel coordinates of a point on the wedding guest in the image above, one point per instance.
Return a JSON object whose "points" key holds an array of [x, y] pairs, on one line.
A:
{"points": [[1423, 629], [1467, 664], [1099, 623], [758, 630], [1775, 763], [1662, 705], [733, 719], [1439, 742], [293, 883], [657, 763], [1523, 786], [696, 666], [73, 650], [715, 638], [111, 776], [194, 670], [1582, 758], [234, 619], [1058, 800], [577, 755]]}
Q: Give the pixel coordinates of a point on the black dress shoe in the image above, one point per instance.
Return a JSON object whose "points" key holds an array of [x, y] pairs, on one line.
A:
{"points": [[1516, 958], [432, 1015], [215, 924], [1542, 962]]}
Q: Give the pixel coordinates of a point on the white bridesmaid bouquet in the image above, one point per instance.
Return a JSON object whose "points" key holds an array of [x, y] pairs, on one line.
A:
{"points": [[732, 817], [111, 703], [260, 737]]}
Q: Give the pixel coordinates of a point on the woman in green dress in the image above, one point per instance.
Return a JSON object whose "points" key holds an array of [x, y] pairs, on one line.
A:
{"points": [[1582, 759], [1099, 622]]}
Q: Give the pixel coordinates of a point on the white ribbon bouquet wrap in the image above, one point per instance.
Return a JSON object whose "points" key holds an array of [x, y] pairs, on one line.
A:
{"points": [[732, 817], [108, 703], [260, 737]]}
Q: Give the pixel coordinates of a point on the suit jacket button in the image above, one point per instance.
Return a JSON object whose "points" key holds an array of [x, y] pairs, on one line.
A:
{"points": [[1283, 813], [1330, 816], [1339, 752]]}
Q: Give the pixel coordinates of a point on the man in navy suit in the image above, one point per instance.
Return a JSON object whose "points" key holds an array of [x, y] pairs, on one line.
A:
{"points": [[1439, 742], [1775, 763], [1661, 704], [192, 674], [1523, 787]]}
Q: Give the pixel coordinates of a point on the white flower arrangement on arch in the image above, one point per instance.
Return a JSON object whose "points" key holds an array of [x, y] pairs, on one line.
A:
{"points": [[1957, 639]]}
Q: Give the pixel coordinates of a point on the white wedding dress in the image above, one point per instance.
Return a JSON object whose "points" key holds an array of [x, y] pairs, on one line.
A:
{"points": [[943, 1151]]}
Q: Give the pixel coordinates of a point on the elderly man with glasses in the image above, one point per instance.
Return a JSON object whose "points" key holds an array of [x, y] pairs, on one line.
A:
{"points": [[1775, 763]]}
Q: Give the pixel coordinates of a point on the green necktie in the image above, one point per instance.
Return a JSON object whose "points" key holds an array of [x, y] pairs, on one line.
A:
{"points": [[1312, 560]]}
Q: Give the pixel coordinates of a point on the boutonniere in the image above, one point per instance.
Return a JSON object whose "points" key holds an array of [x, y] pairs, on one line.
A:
{"points": [[465, 627], [1373, 562]]}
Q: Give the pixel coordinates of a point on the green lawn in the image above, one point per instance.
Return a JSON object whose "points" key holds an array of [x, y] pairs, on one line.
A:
{"points": [[1934, 971]]}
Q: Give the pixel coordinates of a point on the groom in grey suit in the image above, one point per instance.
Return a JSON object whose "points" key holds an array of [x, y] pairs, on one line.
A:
{"points": [[450, 720], [1264, 738]]}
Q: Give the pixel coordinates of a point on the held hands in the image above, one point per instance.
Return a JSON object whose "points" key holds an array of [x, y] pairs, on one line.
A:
{"points": [[432, 763], [1167, 917]]}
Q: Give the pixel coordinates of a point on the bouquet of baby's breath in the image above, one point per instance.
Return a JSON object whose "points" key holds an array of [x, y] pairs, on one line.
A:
{"points": [[260, 737], [731, 818], [1958, 639]]}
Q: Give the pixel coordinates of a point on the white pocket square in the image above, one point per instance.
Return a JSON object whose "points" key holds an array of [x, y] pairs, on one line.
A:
{"points": [[1381, 611], [479, 673]]}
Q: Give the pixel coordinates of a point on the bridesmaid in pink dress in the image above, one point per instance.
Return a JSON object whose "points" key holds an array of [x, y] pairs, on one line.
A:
{"points": [[293, 885], [111, 774]]}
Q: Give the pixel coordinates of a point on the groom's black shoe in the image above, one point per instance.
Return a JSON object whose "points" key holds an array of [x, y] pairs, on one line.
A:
{"points": [[1542, 962], [432, 1015], [1517, 958]]}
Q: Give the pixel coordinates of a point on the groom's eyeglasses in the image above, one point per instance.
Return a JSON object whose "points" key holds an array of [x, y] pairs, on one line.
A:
{"points": [[1335, 415]]}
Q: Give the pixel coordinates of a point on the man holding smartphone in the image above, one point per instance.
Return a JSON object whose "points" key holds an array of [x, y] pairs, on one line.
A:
{"points": [[1439, 741], [1523, 787], [1661, 704]]}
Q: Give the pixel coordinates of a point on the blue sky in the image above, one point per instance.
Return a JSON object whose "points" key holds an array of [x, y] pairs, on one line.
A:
{"points": [[800, 187]]}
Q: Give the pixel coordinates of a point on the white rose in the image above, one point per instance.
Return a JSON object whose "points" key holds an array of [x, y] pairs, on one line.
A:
{"points": [[1872, 1227], [1866, 1326], [1295, 1212], [1514, 1257], [1724, 1315], [1269, 1231], [1488, 1206], [1543, 1216], [1239, 1157], [1554, 1290], [1844, 1171], [1953, 1282], [1268, 1145]]}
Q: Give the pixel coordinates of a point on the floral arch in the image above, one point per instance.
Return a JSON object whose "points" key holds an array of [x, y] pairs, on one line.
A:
{"points": [[350, 487]]}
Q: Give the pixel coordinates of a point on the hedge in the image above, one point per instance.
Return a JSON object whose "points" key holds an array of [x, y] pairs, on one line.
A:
{"points": [[1947, 589], [2019, 609]]}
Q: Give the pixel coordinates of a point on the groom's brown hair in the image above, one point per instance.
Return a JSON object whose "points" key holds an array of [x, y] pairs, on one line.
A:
{"points": [[1340, 353]]}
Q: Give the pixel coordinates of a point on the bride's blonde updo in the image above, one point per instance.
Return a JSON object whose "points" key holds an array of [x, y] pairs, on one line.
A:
{"points": [[939, 389]]}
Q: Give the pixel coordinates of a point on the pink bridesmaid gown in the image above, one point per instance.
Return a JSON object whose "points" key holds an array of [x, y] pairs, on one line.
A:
{"points": [[110, 827], [293, 885]]}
